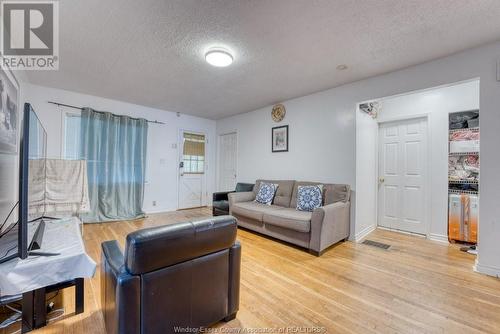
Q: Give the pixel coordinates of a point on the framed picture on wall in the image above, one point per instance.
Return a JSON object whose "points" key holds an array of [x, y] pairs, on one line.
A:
{"points": [[9, 113], [280, 139]]}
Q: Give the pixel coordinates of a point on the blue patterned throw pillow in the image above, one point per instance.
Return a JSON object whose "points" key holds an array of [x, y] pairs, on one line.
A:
{"points": [[309, 197], [266, 193]]}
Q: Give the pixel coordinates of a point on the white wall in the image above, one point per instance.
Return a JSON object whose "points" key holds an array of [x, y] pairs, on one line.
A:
{"points": [[322, 142], [437, 104], [366, 156], [162, 157]]}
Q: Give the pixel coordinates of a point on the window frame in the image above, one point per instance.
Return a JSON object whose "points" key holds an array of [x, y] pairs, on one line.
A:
{"points": [[65, 116], [204, 156], [194, 160]]}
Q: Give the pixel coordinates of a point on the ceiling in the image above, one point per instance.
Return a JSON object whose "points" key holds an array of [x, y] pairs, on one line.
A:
{"points": [[152, 52]]}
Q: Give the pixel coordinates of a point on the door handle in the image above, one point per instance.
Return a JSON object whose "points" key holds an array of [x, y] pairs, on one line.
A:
{"points": [[381, 179]]}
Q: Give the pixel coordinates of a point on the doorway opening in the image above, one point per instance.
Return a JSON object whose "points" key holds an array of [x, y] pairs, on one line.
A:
{"points": [[412, 159]]}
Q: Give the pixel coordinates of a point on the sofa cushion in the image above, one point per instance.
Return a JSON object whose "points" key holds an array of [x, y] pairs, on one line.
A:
{"points": [[283, 193], [289, 218], [332, 193], [266, 192], [252, 210], [309, 197]]}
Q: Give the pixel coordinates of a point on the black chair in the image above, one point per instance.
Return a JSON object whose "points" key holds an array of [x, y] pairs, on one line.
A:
{"points": [[220, 203], [172, 278]]}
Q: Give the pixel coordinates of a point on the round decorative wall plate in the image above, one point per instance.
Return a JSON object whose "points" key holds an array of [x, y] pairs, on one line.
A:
{"points": [[278, 112]]}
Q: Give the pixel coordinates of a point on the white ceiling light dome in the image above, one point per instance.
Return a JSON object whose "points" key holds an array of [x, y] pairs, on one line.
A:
{"points": [[219, 57]]}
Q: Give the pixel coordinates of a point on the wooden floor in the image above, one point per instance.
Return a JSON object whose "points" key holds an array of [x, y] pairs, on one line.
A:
{"points": [[417, 286]]}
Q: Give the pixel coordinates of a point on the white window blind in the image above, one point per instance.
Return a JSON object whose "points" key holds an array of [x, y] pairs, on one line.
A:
{"points": [[194, 153]]}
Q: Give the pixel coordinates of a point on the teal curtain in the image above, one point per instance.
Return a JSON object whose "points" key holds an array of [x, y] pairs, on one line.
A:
{"points": [[115, 149]]}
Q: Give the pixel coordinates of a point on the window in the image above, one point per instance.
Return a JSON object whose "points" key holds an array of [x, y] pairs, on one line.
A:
{"points": [[194, 153], [72, 136]]}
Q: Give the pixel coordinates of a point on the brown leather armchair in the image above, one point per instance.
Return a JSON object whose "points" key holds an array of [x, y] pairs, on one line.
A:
{"points": [[185, 275]]}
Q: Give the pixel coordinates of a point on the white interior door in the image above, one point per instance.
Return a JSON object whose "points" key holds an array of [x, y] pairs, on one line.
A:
{"points": [[227, 161], [402, 175], [192, 167]]}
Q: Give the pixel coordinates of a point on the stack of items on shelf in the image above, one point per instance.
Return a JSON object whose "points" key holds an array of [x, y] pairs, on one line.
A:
{"points": [[464, 120], [463, 176], [464, 140], [463, 172]]}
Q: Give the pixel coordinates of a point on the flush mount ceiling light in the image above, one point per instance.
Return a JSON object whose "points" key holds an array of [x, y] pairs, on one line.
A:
{"points": [[342, 67], [218, 57]]}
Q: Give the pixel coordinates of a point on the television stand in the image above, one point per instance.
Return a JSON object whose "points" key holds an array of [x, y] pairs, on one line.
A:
{"points": [[34, 303], [65, 238]]}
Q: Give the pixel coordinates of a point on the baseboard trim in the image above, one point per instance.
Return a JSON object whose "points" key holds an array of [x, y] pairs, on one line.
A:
{"points": [[487, 270], [364, 232], [164, 210], [439, 238]]}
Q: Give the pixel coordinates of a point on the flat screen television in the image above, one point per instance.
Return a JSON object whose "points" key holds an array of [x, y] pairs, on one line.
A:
{"points": [[32, 191]]}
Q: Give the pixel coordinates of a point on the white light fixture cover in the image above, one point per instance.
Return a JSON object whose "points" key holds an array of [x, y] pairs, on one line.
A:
{"points": [[219, 57]]}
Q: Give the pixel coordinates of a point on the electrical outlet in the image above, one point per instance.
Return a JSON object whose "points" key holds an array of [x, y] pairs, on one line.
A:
{"points": [[154, 203]]}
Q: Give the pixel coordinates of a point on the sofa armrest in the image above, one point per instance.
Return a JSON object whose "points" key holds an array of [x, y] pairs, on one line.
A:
{"points": [[329, 225], [221, 195], [246, 196]]}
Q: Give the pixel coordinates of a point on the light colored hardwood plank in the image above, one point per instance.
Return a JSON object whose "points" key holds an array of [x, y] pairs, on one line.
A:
{"points": [[417, 286]]}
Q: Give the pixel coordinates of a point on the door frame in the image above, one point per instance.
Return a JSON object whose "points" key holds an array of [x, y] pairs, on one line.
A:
{"points": [[218, 174], [180, 150], [427, 182]]}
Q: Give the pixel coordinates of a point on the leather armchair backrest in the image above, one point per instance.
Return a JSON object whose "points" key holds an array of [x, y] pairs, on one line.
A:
{"points": [[241, 187], [158, 247]]}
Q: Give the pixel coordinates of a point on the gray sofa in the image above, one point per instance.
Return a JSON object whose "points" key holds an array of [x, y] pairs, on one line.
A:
{"points": [[315, 230]]}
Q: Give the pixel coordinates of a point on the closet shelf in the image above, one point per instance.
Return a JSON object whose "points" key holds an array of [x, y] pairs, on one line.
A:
{"points": [[458, 191], [476, 129], [464, 153], [463, 181]]}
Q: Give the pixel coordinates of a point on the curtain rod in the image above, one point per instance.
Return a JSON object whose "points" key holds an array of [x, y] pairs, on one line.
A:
{"points": [[81, 108]]}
